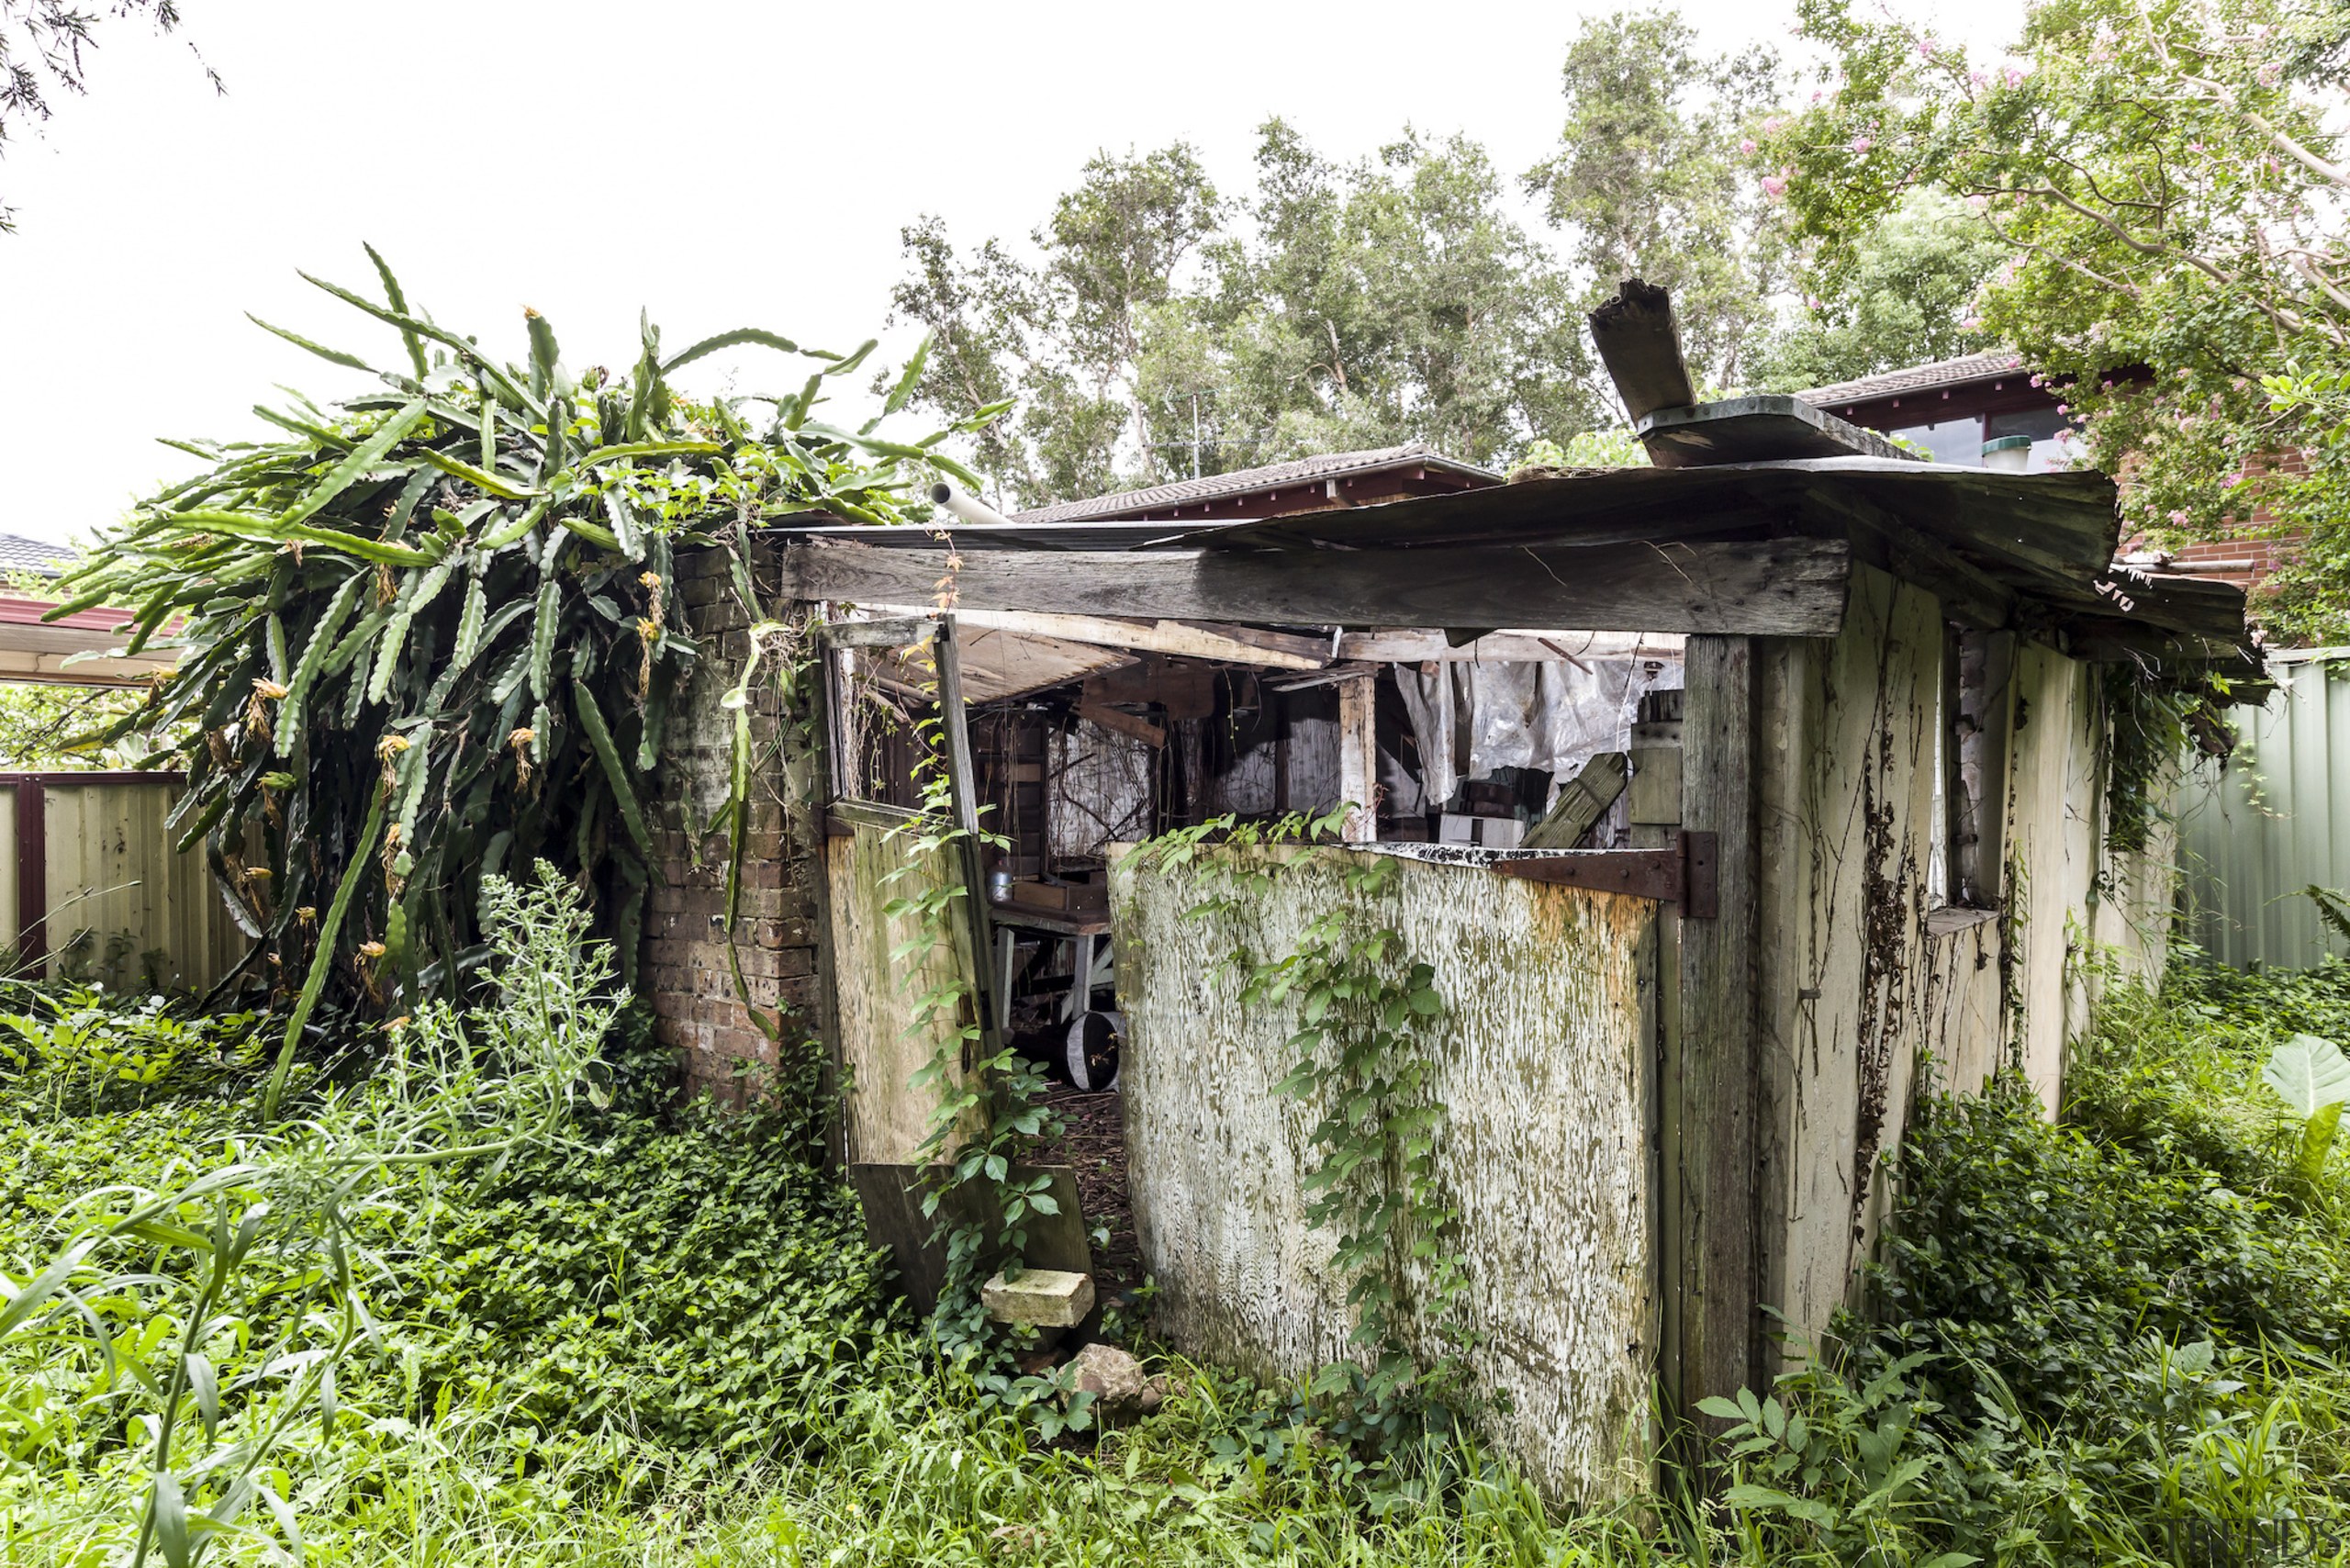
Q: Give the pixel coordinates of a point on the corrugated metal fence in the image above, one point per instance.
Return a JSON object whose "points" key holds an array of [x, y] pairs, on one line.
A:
{"points": [[90, 886], [2274, 821]]}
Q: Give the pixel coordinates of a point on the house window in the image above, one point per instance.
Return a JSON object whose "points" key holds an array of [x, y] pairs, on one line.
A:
{"points": [[2051, 434]]}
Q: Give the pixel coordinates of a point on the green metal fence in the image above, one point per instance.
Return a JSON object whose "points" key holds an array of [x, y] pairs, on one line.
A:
{"points": [[2276, 819]]}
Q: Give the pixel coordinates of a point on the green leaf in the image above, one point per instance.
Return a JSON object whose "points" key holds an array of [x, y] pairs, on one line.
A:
{"points": [[354, 871], [740, 335], [2309, 1074], [333, 356], [543, 352], [591, 720], [496, 484], [398, 303]]}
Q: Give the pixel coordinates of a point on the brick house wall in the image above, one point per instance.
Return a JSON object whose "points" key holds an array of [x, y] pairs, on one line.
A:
{"points": [[685, 976]]}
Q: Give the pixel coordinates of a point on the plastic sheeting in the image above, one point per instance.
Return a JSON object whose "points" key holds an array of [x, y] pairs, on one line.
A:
{"points": [[1472, 717]]}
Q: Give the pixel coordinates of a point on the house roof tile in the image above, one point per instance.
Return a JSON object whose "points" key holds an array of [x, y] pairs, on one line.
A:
{"points": [[1245, 481]]}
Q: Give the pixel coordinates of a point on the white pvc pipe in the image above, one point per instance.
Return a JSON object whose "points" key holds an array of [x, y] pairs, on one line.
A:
{"points": [[971, 508]]}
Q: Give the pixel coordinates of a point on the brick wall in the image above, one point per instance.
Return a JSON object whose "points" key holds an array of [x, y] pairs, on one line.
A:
{"points": [[2246, 552], [685, 976]]}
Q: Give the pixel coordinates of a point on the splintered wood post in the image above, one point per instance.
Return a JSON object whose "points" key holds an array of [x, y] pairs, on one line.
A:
{"points": [[1583, 800], [962, 782], [1358, 759], [1711, 1245]]}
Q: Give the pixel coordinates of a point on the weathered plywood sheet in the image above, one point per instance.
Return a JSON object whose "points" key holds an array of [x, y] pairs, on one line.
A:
{"points": [[1863, 978], [1543, 1063], [877, 989], [1848, 798]]}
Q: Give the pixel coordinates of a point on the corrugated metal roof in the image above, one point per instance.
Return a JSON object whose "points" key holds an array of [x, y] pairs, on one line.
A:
{"points": [[1245, 481], [1917, 378]]}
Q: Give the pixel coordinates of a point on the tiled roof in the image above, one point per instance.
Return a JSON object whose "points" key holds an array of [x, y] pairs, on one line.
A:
{"points": [[1916, 377], [18, 554], [1245, 481]]}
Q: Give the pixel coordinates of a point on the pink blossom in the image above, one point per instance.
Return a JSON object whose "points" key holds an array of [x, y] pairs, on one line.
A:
{"points": [[1925, 49], [2012, 74], [1977, 79], [1972, 324], [1747, 145], [1774, 124], [2270, 73], [2063, 408], [1863, 144], [2037, 380], [1774, 185], [1978, 201], [2179, 516]]}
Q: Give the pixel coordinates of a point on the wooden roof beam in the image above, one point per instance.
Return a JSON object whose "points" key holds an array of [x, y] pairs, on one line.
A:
{"points": [[1791, 587]]}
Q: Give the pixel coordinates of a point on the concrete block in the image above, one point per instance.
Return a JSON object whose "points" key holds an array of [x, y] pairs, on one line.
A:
{"points": [[1049, 1298]]}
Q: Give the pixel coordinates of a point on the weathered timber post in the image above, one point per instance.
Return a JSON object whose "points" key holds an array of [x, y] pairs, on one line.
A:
{"points": [[1714, 1182]]}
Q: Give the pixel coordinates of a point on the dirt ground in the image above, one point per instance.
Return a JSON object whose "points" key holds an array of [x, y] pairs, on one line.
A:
{"points": [[1095, 1146]]}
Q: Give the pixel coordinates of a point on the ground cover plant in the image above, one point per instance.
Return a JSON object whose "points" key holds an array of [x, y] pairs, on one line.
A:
{"points": [[653, 1334]]}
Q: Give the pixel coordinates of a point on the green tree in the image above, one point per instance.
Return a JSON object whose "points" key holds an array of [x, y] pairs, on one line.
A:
{"points": [[1648, 180], [1907, 296], [1066, 334], [2170, 188], [1389, 300], [1368, 303]]}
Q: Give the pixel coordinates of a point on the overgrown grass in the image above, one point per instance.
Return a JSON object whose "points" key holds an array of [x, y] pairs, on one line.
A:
{"points": [[2118, 1338]]}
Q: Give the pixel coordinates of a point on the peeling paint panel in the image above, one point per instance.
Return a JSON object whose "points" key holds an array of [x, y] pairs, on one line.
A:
{"points": [[1544, 1062]]}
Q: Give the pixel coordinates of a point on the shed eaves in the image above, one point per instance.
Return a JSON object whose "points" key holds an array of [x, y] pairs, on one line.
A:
{"points": [[1242, 481]]}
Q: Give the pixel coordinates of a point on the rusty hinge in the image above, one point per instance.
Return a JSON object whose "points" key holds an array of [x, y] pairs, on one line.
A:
{"points": [[1683, 875]]}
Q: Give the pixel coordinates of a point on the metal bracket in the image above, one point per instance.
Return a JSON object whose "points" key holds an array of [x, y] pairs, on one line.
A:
{"points": [[1685, 874]]}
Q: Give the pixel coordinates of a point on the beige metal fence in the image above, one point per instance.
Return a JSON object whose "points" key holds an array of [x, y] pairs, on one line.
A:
{"points": [[2274, 821], [90, 886]]}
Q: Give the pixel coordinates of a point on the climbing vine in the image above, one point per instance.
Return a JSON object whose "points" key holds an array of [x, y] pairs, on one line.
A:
{"points": [[2152, 720], [1366, 1013]]}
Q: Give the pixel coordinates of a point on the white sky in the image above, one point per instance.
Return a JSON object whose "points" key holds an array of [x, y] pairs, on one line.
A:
{"points": [[725, 162]]}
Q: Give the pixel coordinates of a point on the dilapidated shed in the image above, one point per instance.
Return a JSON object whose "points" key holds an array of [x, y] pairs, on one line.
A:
{"points": [[1808, 796]]}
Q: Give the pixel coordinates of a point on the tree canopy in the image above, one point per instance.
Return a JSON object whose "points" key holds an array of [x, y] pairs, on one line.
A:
{"points": [[2165, 180]]}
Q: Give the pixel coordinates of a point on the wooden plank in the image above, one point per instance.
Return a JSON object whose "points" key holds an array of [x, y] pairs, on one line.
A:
{"points": [[898, 631], [1641, 345], [1582, 801], [1779, 587], [32, 874], [998, 666], [1358, 759], [1719, 1320], [1229, 644], [963, 791], [1122, 722], [1763, 429], [1428, 645]]}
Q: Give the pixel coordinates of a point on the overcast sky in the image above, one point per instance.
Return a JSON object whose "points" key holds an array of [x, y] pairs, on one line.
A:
{"points": [[723, 163]]}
